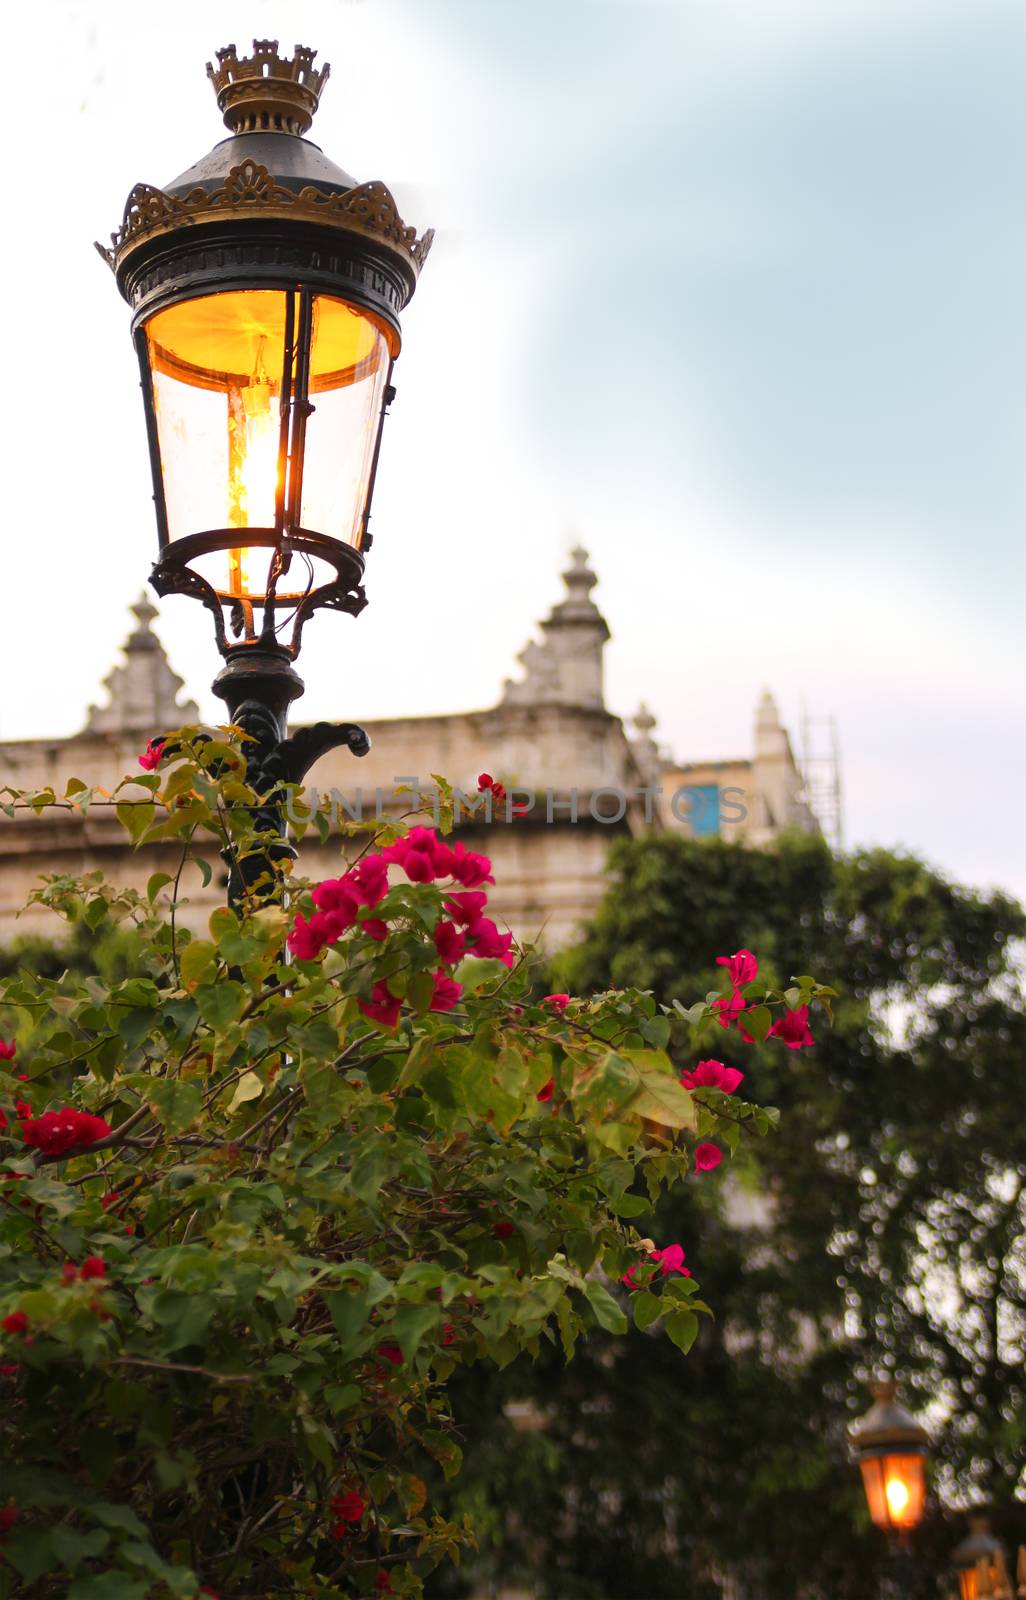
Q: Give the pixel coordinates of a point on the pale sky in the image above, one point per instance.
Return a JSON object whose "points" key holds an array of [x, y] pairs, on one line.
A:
{"points": [[729, 290]]}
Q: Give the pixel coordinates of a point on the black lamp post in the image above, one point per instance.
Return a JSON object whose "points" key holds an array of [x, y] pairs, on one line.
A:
{"points": [[892, 1449], [266, 287]]}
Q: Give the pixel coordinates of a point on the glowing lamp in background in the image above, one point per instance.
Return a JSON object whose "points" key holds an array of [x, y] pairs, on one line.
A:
{"points": [[980, 1564], [266, 286], [892, 1449]]}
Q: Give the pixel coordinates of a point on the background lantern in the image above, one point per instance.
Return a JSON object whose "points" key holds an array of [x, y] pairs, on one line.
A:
{"points": [[266, 287], [892, 1449], [980, 1563]]}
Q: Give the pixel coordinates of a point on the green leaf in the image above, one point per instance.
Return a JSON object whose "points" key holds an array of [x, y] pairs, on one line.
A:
{"points": [[370, 1170], [177, 1105], [110, 1586], [630, 1205], [444, 1450], [758, 1022], [342, 1396], [158, 881], [647, 1308], [135, 818], [70, 1547], [198, 963], [662, 1099], [608, 1314], [410, 1324], [115, 1516], [249, 1087], [220, 1003], [682, 1327]]}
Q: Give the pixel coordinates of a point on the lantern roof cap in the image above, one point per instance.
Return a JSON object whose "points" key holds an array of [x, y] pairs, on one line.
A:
{"points": [[888, 1425], [265, 92]]}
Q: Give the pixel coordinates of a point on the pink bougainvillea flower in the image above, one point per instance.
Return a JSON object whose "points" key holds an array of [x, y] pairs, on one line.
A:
{"points": [[741, 967], [466, 908], [335, 894], [211, 1594], [4, 1124], [368, 880], [450, 943], [15, 1322], [671, 1260], [22, 1108], [7, 1049], [486, 784], [150, 757], [107, 1200], [712, 1075], [556, 1002], [93, 1267], [448, 1334], [470, 868], [546, 1091], [707, 1157], [390, 1353], [305, 941], [8, 1517], [503, 1230], [382, 1582], [56, 1133], [446, 994], [488, 941], [375, 928], [383, 1006], [730, 1011], [792, 1029], [348, 1507]]}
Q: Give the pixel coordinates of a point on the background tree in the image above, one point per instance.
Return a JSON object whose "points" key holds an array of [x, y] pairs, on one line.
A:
{"points": [[893, 1239]]}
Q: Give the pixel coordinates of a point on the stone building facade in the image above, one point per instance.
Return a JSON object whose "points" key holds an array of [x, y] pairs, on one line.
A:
{"points": [[550, 738]]}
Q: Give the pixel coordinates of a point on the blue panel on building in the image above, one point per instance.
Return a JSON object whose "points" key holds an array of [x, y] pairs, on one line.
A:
{"points": [[703, 801]]}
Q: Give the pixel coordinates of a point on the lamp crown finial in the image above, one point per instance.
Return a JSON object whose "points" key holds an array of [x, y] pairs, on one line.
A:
{"points": [[264, 92]]}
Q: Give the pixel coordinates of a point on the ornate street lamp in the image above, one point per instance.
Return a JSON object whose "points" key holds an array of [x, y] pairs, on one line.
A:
{"points": [[980, 1563], [266, 286], [892, 1448]]}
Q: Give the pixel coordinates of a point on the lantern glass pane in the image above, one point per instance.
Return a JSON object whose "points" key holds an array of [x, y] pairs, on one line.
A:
{"points": [[895, 1488], [217, 364]]}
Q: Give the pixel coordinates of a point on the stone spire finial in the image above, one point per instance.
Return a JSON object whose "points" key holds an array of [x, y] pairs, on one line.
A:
{"points": [[566, 668], [143, 688], [646, 750]]}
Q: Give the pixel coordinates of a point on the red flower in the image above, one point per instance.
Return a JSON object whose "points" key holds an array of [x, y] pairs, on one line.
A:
{"points": [[382, 1582], [93, 1267], [557, 1002], [390, 1353], [7, 1049], [336, 895], [671, 1260], [793, 1029], [422, 856], [450, 943], [448, 1334], [305, 941], [466, 908], [69, 1272], [730, 1011], [8, 1517], [349, 1507], [56, 1133], [375, 928], [741, 967], [712, 1075], [4, 1124], [707, 1157], [469, 868], [368, 880], [15, 1322], [486, 783], [22, 1108], [383, 1006], [503, 1230], [546, 1091], [447, 992], [150, 757], [488, 941], [107, 1200], [210, 1593]]}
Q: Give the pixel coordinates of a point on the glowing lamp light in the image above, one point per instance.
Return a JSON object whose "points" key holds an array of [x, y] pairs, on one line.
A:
{"points": [[892, 1448]]}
